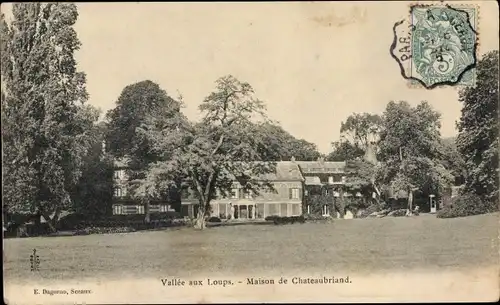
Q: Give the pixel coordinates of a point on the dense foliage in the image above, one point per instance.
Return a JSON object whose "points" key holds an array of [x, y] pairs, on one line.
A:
{"points": [[467, 205], [409, 149], [478, 130], [46, 126], [282, 146], [210, 155], [140, 107], [93, 194]]}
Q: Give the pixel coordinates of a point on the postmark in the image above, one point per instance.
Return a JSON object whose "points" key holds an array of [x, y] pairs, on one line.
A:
{"points": [[437, 45]]}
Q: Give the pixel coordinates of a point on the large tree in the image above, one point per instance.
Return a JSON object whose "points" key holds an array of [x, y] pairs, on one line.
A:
{"points": [[478, 130], [45, 128], [361, 129], [139, 103], [136, 103], [358, 148], [283, 146], [410, 150], [359, 132], [452, 159], [92, 196], [210, 155], [344, 150]]}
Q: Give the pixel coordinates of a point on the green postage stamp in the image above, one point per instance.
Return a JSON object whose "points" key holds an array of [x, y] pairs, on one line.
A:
{"points": [[437, 45]]}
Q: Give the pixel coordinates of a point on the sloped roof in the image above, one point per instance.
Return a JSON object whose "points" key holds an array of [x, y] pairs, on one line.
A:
{"points": [[313, 180], [285, 170], [321, 166]]}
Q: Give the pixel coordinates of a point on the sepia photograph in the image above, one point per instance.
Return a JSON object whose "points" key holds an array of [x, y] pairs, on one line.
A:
{"points": [[239, 152]]}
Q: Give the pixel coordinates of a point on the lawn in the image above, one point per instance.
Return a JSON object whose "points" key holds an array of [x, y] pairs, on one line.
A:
{"points": [[358, 245]]}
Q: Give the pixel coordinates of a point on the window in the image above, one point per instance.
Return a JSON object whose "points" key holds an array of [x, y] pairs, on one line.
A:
{"points": [[120, 191], [234, 194], [119, 174], [260, 210], [326, 211], [117, 209], [273, 209], [140, 209], [248, 195], [283, 210], [336, 179], [294, 193]]}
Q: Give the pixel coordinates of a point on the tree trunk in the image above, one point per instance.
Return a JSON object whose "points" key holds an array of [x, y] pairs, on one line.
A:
{"points": [[147, 217], [200, 221], [342, 203], [410, 202], [55, 219], [200, 218], [38, 220], [49, 221]]}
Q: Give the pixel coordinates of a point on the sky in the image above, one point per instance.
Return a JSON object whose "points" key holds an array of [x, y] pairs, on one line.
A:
{"points": [[313, 63]]}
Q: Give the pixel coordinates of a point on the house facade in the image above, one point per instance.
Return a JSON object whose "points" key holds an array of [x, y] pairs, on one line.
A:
{"points": [[292, 182], [285, 199], [123, 204]]}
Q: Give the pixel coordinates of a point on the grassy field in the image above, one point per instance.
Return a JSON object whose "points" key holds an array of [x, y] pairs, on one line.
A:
{"points": [[359, 245]]}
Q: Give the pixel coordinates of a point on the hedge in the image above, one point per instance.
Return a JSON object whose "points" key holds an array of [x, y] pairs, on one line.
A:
{"points": [[79, 221], [466, 205], [214, 219], [285, 220]]}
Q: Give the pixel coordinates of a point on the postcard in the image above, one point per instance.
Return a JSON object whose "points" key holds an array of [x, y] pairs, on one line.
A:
{"points": [[267, 152]]}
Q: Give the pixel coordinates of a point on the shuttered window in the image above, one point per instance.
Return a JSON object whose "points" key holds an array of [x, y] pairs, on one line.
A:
{"points": [[294, 193]]}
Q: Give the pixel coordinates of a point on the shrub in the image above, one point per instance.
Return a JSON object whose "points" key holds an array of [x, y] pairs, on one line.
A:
{"points": [[397, 213], [271, 218], [317, 218], [466, 205], [165, 215], [286, 220], [104, 230], [71, 221], [369, 210], [214, 219], [77, 221]]}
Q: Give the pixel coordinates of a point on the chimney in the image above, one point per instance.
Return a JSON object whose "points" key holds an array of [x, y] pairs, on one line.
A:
{"points": [[292, 159], [321, 159]]}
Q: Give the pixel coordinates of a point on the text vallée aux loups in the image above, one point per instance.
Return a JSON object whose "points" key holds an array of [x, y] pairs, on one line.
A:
{"points": [[177, 282]]}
